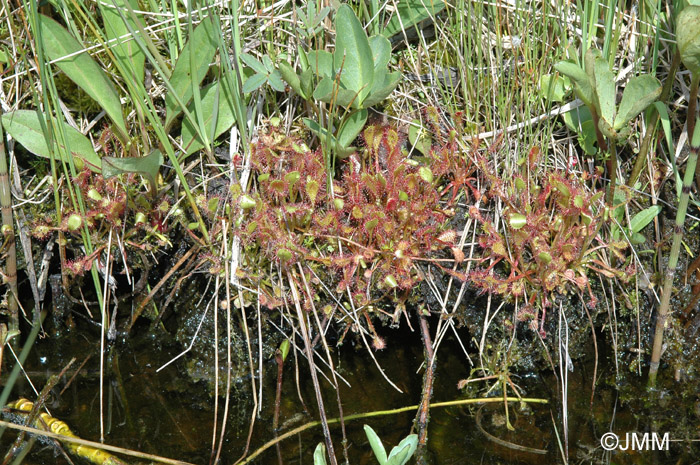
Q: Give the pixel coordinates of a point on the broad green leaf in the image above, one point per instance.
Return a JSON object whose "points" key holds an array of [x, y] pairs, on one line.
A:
{"points": [[376, 445], [688, 36], [253, 63], [352, 127], [605, 90], [321, 62], [581, 81], [641, 91], [384, 85], [352, 53], [347, 98], [592, 54], [82, 70], [324, 90], [275, 80], [554, 88], [269, 66], [402, 453], [579, 121], [307, 82], [643, 218], [321, 132], [637, 238], [24, 126], [410, 13], [213, 96], [327, 91], [291, 78], [381, 52], [320, 454], [147, 166], [125, 49], [203, 45], [253, 83]]}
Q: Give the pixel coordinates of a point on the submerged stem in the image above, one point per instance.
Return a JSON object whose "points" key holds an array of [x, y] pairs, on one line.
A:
{"points": [[663, 312]]}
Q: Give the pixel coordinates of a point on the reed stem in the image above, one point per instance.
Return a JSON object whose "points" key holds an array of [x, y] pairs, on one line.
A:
{"points": [[664, 308], [8, 237]]}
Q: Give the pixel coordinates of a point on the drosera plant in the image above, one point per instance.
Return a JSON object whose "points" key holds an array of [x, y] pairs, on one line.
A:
{"points": [[389, 215], [594, 84], [550, 221]]}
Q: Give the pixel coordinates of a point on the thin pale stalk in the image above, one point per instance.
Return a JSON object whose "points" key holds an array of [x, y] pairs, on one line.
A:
{"points": [[312, 368], [664, 308], [8, 233]]}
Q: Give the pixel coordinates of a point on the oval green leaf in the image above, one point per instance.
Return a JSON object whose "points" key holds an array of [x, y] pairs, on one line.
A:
{"points": [[214, 96], [581, 81], [605, 90], [320, 454], [381, 51], [291, 78], [24, 126], [402, 453], [353, 53], [82, 70], [688, 36], [640, 92], [147, 166], [203, 43], [352, 127], [643, 218], [376, 443]]}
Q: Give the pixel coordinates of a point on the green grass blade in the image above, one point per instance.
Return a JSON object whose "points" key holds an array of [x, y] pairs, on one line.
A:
{"points": [[411, 12]]}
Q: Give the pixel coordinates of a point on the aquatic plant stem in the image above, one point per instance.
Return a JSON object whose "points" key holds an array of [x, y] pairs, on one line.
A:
{"points": [[8, 237], [422, 417], [381, 413], [279, 359], [663, 312]]}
